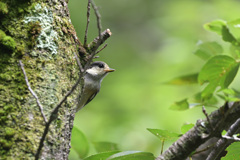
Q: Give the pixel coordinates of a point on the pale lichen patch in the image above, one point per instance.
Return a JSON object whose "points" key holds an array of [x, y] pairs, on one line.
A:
{"points": [[48, 36]]}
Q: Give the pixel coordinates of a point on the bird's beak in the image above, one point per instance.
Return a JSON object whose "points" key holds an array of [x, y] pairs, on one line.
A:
{"points": [[109, 70]]}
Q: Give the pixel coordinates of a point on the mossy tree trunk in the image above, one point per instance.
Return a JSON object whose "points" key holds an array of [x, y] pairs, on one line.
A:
{"points": [[40, 34]]}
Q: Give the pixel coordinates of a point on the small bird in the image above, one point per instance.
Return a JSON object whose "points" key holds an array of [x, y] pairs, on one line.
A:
{"points": [[92, 82]]}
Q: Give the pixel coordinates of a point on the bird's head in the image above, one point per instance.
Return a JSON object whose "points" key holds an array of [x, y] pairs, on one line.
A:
{"points": [[99, 70]]}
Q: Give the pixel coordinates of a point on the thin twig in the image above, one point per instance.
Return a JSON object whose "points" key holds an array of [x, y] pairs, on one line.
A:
{"points": [[101, 49], [88, 20], [162, 146], [234, 139], [95, 8], [205, 113], [53, 116], [79, 63], [32, 92]]}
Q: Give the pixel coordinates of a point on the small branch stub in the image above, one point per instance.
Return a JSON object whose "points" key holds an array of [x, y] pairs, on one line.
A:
{"points": [[93, 46]]}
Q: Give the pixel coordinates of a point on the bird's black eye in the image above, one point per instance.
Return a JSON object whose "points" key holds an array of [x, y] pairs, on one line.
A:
{"points": [[100, 65]]}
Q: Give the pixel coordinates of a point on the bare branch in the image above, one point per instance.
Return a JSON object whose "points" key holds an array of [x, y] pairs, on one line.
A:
{"points": [[32, 92], [88, 20], [94, 45], [223, 142], [95, 8], [202, 131]]}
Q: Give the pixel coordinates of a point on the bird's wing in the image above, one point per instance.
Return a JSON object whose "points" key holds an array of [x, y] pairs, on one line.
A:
{"points": [[91, 97]]}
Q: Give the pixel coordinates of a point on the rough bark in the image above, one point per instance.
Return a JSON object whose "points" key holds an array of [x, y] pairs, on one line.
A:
{"points": [[204, 130], [41, 35]]}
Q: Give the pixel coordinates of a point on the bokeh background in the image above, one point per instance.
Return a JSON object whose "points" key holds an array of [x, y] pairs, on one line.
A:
{"points": [[152, 42]]}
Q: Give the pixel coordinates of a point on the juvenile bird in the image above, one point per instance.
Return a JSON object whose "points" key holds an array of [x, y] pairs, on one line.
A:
{"points": [[92, 82]]}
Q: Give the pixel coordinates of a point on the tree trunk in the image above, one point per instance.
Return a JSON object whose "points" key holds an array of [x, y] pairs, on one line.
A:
{"points": [[41, 35]]}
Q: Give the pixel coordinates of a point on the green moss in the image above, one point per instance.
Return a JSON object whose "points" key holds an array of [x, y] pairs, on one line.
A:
{"points": [[3, 8], [9, 43], [18, 120], [59, 123], [6, 144], [9, 132], [8, 107], [3, 119], [1, 112], [2, 34]]}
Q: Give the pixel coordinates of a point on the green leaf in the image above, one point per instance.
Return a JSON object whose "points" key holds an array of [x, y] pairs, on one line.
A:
{"points": [[182, 80], [235, 51], [215, 26], [229, 91], [234, 28], [180, 105], [105, 146], [220, 27], [224, 132], [208, 49], [211, 101], [186, 127], [230, 95], [132, 155], [101, 156], [218, 71], [164, 135], [79, 143], [227, 36], [233, 152]]}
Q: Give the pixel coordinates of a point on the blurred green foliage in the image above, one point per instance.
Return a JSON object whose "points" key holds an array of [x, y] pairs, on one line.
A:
{"points": [[152, 43]]}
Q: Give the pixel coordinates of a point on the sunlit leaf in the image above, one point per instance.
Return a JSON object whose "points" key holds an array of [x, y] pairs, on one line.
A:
{"points": [[224, 132], [180, 105], [101, 156], [233, 152], [234, 28], [186, 127], [132, 155], [208, 49], [230, 95], [218, 71], [164, 135], [187, 79], [79, 143], [229, 91], [215, 26], [105, 146], [221, 28]]}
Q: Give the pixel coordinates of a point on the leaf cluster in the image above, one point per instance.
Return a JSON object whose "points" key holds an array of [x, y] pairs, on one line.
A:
{"points": [[220, 68]]}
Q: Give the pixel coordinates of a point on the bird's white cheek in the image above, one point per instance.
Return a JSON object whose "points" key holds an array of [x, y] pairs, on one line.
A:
{"points": [[92, 71]]}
